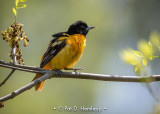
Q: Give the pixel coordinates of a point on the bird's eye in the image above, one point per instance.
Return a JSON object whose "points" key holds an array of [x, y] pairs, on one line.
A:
{"points": [[82, 27]]}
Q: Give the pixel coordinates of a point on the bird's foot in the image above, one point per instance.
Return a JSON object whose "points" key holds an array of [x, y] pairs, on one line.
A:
{"points": [[74, 69], [60, 73]]}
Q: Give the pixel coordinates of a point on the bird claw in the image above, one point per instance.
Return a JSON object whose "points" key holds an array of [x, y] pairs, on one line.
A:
{"points": [[59, 72], [74, 69]]}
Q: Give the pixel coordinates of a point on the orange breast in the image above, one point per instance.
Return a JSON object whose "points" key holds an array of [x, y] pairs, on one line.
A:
{"points": [[70, 54]]}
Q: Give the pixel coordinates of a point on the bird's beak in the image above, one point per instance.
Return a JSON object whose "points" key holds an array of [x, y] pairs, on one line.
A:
{"points": [[89, 28]]}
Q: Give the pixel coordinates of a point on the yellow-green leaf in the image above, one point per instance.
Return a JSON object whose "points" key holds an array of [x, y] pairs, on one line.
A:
{"points": [[21, 5], [137, 53], [14, 11], [25, 43], [16, 3], [145, 48], [135, 69], [138, 69], [22, 0], [144, 61], [129, 57], [152, 57], [155, 40], [10, 44]]}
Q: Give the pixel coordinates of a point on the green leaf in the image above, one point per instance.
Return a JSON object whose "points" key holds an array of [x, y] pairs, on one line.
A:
{"points": [[22, 0], [16, 3], [145, 48], [138, 69], [144, 61], [137, 53], [14, 11], [135, 69], [21, 5]]}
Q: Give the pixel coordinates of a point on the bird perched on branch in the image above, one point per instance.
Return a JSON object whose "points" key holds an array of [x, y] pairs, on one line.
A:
{"points": [[65, 50]]}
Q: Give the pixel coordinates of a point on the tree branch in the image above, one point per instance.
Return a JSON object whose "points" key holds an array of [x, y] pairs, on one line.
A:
{"points": [[14, 62], [54, 74], [24, 88], [9, 75], [22, 67]]}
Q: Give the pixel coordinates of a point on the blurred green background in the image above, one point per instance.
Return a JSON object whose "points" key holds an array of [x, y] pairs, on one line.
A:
{"points": [[119, 24]]}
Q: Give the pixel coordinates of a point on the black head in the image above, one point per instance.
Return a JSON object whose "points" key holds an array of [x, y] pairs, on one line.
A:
{"points": [[79, 27]]}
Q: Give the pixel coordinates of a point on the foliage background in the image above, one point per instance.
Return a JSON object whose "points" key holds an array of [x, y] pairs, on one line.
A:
{"points": [[119, 24]]}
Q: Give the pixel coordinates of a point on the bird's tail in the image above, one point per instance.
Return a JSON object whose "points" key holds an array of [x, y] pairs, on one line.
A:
{"points": [[39, 87]]}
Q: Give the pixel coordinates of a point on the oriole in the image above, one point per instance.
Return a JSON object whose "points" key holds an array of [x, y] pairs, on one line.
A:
{"points": [[65, 49]]}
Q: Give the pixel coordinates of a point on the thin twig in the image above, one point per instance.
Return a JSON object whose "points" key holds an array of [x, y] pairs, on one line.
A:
{"points": [[54, 74], [22, 89], [4, 81], [13, 70], [22, 67], [152, 93]]}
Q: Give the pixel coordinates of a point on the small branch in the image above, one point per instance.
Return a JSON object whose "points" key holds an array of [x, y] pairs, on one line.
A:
{"points": [[54, 74], [151, 93], [22, 89], [4, 81], [13, 70], [22, 67]]}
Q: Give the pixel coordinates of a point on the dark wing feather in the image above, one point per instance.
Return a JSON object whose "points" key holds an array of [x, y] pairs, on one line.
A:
{"points": [[54, 47], [60, 34]]}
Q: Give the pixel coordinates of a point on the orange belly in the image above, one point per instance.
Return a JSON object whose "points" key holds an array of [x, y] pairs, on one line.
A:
{"points": [[70, 54]]}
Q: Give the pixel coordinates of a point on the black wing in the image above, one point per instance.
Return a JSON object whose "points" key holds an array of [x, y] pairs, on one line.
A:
{"points": [[60, 34], [54, 47]]}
